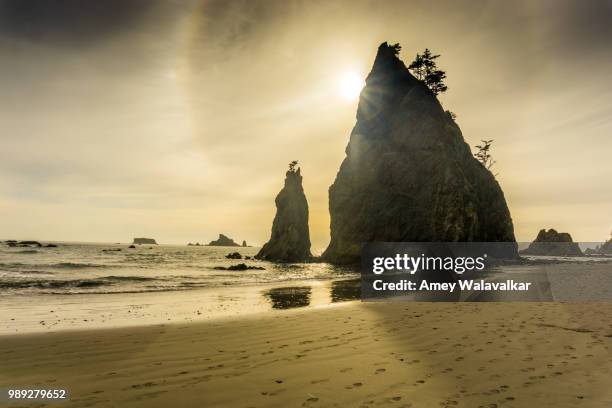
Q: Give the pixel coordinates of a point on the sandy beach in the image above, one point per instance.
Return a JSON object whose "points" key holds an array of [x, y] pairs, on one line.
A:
{"points": [[346, 355]]}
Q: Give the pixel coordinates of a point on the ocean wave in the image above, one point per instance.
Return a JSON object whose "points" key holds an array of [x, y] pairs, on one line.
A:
{"points": [[121, 291], [26, 272], [130, 278], [75, 265], [60, 265], [74, 283], [50, 284]]}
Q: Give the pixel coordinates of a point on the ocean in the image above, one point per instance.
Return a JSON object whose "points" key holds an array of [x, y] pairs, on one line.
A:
{"points": [[84, 268], [83, 285]]}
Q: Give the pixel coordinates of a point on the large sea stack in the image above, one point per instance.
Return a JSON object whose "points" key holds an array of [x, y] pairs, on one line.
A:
{"points": [[553, 243], [408, 175], [290, 240]]}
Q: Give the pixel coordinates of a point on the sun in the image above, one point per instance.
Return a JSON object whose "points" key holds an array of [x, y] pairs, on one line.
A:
{"points": [[350, 87]]}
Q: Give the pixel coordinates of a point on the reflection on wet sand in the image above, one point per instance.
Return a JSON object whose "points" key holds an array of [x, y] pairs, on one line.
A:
{"points": [[344, 290], [289, 297], [317, 294]]}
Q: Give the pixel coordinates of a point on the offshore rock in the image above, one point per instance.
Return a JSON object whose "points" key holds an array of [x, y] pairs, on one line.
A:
{"points": [[223, 241], [553, 243], [146, 241]]}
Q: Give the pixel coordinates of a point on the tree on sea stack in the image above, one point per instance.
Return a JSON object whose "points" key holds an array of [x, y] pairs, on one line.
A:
{"points": [[425, 69], [484, 154], [290, 239]]}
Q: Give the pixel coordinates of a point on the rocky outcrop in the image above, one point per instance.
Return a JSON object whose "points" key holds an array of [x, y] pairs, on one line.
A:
{"points": [[144, 241], [223, 241], [238, 267], [408, 174], [603, 249], [553, 243], [606, 247], [290, 239], [244, 244]]}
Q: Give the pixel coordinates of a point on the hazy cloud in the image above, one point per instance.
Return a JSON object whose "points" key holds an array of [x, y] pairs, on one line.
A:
{"points": [[176, 119]]}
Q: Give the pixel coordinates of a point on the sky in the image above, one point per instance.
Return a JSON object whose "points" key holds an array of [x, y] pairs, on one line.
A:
{"points": [[176, 119]]}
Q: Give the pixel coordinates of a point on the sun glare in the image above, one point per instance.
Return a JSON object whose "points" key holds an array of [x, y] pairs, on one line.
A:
{"points": [[350, 86]]}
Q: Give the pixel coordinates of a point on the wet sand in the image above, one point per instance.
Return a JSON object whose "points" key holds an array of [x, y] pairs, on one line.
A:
{"points": [[47, 313], [347, 355]]}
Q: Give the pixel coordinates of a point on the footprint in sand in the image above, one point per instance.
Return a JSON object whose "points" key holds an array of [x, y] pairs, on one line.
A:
{"points": [[147, 384], [310, 401]]}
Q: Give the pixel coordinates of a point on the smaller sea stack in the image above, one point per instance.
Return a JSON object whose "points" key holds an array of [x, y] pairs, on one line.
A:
{"points": [[290, 240]]}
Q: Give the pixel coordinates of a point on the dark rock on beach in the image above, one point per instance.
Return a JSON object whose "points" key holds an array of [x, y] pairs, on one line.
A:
{"points": [[409, 175], [290, 239], [553, 243], [223, 241]]}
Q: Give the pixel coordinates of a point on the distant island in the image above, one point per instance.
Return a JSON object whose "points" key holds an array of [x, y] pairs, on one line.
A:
{"points": [[143, 241], [223, 241]]}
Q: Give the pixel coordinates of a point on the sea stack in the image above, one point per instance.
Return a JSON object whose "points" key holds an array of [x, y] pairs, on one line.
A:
{"points": [[408, 175], [553, 243], [290, 240]]}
